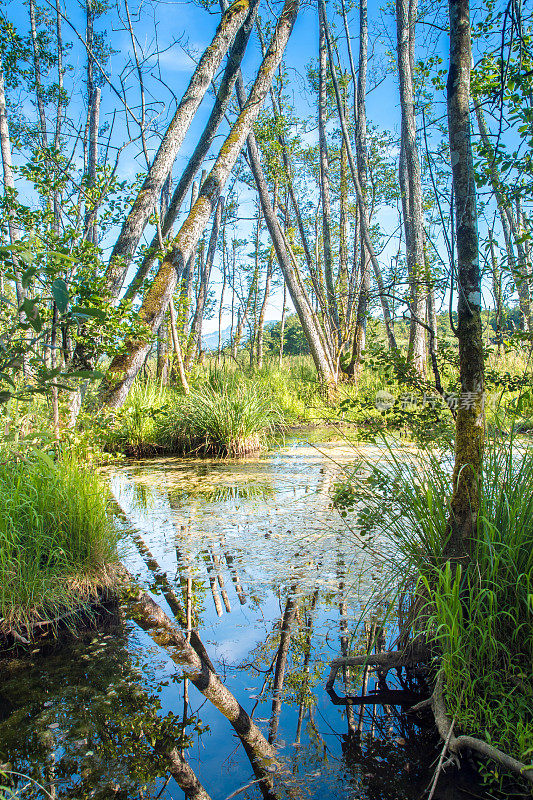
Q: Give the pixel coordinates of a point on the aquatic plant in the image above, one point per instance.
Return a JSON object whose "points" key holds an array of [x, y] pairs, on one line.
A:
{"points": [[57, 540], [137, 429], [224, 422], [479, 616]]}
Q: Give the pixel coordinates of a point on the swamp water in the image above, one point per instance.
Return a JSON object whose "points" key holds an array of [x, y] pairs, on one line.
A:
{"points": [[276, 589]]}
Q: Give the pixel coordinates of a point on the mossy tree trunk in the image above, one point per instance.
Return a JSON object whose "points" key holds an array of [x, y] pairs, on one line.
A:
{"points": [[200, 151], [136, 221], [125, 366], [469, 435]]}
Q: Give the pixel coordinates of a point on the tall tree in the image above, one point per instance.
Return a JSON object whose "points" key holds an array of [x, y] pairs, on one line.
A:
{"points": [[469, 435], [125, 367], [411, 182]]}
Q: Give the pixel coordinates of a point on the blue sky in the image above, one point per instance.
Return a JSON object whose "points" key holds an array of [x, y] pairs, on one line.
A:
{"points": [[183, 28]]}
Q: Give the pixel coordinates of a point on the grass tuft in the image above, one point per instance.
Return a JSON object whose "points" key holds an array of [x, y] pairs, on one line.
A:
{"points": [[57, 540]]}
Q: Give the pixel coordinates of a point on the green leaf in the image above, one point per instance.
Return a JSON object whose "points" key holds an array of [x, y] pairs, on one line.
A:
{"points": [[45, 458], [60, 293], [7, 379], [27, 276], [32, 313], [5, 396], [97, 313]]}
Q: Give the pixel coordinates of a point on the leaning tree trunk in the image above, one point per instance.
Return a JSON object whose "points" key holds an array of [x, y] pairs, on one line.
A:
{"points": [[137, 219], [200, 151], [125, 367], [469, 436]]}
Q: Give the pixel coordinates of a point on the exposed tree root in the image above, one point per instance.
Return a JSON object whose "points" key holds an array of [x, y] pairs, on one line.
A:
{"points": [[390, 659], [455, 744]]}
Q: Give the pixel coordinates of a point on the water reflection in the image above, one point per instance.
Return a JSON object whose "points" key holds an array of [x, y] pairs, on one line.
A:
{"points": [[263, 579]]}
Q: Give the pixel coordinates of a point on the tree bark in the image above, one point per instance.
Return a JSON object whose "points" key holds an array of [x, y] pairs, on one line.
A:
{"points": [[333, 310], [196, 326], [359, 338], [200, 151], [125, 367], [469, 435], [511, 232], [139, 214], [411, 182], [365, 225]]}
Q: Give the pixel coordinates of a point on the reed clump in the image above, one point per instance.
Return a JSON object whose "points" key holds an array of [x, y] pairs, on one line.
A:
{"points": [[58, 542], [225, 414]]}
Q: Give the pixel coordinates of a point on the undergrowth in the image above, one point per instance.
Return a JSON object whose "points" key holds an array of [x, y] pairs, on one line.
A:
{"points": [[479, 617]]}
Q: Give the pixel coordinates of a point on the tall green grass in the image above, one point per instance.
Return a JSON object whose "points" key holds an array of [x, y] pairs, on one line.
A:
{"points": [[479, 617], [225, 420], [225, 413], [57, 539]]}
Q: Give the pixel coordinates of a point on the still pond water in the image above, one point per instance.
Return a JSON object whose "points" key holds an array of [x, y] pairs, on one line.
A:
{"points": [[255, 547]]}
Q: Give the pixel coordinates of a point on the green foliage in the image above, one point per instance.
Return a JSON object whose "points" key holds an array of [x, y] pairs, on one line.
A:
{"points": [[294, 341], [480, 616], [57, 538], [227, 420]]}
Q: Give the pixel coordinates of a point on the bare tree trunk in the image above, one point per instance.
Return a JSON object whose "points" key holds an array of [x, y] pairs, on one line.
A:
{"points": [[91, 227], [177, 348], [359, 338], [469, 436], [281, 663], [196, 327], [262, 313], [411, 182], [496, 289], [510, 225], [324, 179], [315, 337], [9, 184], [224, 282], [343, 243], [125, 367], [37, 74], [137, 219], [365, 225], [163, 363], [282, 324]]}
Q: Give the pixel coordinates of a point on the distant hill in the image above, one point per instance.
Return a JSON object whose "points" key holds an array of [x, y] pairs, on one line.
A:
{"points": [[210, 340]]}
